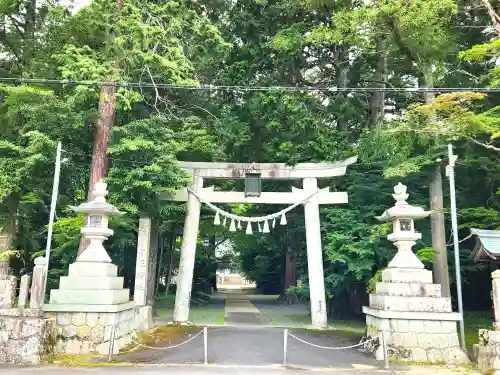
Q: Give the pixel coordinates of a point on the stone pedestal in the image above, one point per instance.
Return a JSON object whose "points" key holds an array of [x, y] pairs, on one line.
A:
{"points": [[419, 323], [488, 350], [91, 302]]}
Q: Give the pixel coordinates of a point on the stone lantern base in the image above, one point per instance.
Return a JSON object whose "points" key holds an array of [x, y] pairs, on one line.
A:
{"points": [[90, 303], [419, 323]]}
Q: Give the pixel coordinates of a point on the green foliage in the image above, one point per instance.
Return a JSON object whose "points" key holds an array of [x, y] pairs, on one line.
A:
{"points": [[371, 286], [248, 43], [302, 291], [427, 256], [7, 254]]}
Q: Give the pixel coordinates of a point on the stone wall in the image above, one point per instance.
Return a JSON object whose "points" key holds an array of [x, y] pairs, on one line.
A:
{"points": [[90, 332], [26, 337], [417, 340]]}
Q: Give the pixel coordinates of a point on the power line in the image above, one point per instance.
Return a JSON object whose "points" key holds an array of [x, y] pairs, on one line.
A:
{"points": [[137, 163], [205, 87]]}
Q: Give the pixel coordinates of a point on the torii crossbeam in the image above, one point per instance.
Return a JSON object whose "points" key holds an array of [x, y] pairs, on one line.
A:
{"points": [[307, 172]]}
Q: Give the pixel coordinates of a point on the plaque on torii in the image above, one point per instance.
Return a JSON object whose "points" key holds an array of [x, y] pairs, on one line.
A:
{"points": [[307, 172]]}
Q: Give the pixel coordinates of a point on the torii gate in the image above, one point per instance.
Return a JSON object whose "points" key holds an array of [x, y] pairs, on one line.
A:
{"points": [[307, 172]]}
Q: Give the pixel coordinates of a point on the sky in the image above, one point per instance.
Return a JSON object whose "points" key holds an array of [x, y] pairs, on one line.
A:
{"points": [[77, 4]]}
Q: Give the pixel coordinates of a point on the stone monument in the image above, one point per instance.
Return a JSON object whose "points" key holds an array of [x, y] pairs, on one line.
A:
{"points": [[488, 348], [91, 301], [144, 318], [418, 321]]}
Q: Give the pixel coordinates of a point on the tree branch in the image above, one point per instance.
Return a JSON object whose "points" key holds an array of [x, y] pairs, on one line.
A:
{"points": [[495, 18], [378, 81], [489, 147], [17, 25], [410, 56]]}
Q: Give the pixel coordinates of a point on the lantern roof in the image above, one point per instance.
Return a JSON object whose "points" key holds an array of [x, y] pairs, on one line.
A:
{"points": [[488, 245], [402, 209], [98, 204]]}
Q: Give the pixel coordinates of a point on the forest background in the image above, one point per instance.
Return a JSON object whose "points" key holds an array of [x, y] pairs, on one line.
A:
{"points": [[290, 81]]}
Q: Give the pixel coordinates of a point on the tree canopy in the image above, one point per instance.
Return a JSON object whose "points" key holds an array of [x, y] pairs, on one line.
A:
{"points": [[250, 81]]}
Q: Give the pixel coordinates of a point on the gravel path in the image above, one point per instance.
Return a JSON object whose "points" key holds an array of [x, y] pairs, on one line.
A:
{"points": [[241, 312], [264, 346], [249, 338]]}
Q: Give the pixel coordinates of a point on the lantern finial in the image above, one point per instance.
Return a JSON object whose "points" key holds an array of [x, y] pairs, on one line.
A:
{"points": [[400, 194], [100, 191]]}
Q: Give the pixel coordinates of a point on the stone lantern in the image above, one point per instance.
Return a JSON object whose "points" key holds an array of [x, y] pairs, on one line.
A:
{"points": [[91, 301], [96, 229], [403, 233], [418, 321]]}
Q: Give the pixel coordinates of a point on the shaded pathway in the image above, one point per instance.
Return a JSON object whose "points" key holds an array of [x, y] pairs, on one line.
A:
{"points": [[241, 312]]}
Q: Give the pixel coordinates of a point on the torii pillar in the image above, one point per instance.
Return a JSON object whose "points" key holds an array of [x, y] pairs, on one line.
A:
{"points": [[307, 172]]}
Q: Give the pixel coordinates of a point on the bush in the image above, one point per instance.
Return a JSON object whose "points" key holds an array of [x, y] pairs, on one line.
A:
{"points": [[302, 292]]}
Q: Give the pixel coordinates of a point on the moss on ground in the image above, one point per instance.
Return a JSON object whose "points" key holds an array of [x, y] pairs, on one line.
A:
{"points": [[155, 337], [81, 360], [165, 334]]}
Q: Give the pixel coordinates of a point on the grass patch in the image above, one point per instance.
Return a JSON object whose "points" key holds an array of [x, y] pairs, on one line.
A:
{"points": [[331, 332], [203, 315], [165, 334], [165, 302], [87, 360], [168, 302], [347, 325], [155, 337], [473, 321], [338, 325]]}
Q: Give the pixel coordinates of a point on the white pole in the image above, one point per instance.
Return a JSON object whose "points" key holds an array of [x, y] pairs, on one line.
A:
{"points": [[112, 343], [384, 348], [451, 175], [285, 344], [55, 189], [205, 343]]}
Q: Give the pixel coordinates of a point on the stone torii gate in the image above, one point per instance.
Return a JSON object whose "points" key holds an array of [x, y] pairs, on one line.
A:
{"points": [[307, 172]]}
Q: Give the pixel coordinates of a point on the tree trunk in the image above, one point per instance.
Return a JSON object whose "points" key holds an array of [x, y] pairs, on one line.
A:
{"points": [[99, 166], [153, 262], [378, 97], [341, 58], [427, 81], [29, 33], [7, 234], [107, 113], [171, 248], [290, 271], [440, 269], [160, 263]]}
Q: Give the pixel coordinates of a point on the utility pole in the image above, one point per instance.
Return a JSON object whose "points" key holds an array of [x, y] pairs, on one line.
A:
{"points": [[55, 191], [450, 173]]}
